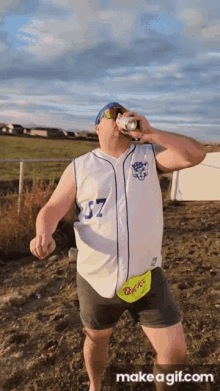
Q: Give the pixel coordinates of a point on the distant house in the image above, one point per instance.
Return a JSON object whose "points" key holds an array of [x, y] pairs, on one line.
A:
{"points": [[92, 136], [83, 133], [27, 131], [89, 135], [46, 132], [3, 128], [68, 133], [11, 128]]}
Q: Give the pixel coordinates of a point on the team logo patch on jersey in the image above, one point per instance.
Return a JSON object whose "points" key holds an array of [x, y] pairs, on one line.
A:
{"points": [[140, 170]]}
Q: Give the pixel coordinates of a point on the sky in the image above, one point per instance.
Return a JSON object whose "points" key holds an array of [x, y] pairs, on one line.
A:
{"points": [[61, 61]]}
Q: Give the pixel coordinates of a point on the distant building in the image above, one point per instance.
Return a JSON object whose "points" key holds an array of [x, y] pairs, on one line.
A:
{"points": [[27, 131], [89, 135], [3, 128], [46, 132], [70, 134], [92, 136], [11, 128], [83, 133]]}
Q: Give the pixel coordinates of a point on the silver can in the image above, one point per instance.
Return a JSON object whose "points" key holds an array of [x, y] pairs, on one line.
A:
{"points": [[127, 123]]}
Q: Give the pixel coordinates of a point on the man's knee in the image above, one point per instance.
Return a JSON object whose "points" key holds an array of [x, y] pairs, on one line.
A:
{"points": [[98, 336], [175, 354], [169, 343], [178, 353]]}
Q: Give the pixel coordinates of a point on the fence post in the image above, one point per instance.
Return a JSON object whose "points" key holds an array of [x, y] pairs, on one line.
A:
{"points": [[21, 182]]}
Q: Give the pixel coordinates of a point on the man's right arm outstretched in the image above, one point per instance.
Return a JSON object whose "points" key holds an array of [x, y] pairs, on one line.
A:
{"points": [[49, 216]]}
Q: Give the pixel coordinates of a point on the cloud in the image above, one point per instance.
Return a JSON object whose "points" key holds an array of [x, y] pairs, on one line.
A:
{"points": [[191, 17], [3, 47], [22, 117], [200, 24], [19, 7], [76, 33], [212, 32], [5, 6], [90, 63]]}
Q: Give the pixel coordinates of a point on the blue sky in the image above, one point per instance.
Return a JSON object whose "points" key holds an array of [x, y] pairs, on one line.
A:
{"points": [[63, 60]]}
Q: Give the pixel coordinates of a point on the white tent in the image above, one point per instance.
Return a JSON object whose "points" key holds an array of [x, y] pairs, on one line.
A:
{"points": [[198, 183]]}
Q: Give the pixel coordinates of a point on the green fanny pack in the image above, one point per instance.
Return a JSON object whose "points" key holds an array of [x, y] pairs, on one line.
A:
{"points": [[135, 288]]}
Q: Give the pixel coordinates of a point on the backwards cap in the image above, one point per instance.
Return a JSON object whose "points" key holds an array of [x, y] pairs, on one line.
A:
{"points": [[108, 106]]}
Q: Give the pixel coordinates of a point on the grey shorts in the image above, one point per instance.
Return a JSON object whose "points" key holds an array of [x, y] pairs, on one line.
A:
{"points": [[156, 309]]}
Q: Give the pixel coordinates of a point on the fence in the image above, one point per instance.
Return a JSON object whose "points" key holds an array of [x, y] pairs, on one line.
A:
{"points": [[21, 176]]}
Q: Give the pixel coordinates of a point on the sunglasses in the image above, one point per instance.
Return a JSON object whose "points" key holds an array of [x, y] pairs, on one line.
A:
{"points": [[113, 113]]}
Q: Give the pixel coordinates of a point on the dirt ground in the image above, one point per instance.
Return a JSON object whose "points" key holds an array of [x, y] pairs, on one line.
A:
{"points": [[41, 334]]}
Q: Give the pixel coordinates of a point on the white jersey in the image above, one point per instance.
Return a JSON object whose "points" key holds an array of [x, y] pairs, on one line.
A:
{"points": [[120, 217]]}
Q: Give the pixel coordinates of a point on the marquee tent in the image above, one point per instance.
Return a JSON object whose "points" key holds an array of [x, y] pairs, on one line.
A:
{"points": [[198, 183]]}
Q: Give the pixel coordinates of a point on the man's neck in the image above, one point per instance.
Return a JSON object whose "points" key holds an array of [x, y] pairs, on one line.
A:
{"points": [[115, 153]]}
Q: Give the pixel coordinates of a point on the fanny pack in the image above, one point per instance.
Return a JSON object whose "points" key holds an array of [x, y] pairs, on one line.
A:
{"points": [[135, 288]]}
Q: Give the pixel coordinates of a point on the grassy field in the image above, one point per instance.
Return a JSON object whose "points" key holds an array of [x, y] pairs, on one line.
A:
{"points": [[28, 148]]}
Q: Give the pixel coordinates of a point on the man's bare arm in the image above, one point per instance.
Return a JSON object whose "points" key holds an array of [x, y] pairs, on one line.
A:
{"points": [[180, 151], [49, 216]]}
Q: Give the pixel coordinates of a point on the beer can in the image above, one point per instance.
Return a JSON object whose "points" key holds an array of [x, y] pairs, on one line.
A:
{"points": [[127, 123]]}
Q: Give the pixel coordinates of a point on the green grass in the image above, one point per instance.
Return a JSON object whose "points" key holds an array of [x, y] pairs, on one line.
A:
{"points": [[13, 147]]}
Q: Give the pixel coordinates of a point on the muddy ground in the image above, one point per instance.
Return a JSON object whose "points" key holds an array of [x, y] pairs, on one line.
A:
{"points": [[41, 334]]}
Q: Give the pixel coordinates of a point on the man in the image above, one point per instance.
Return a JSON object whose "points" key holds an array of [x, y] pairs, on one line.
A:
{"points": [[119, 237]]}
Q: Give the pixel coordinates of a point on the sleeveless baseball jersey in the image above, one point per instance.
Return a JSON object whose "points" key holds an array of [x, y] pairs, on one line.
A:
{"points": [[120, 217]]}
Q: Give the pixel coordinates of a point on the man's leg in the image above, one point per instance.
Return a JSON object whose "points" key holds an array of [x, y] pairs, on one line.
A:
{"points": [[96, 355], [171, 349]]}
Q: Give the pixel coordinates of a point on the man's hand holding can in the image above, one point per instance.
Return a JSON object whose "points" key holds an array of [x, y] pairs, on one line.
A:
{"points": [[141, 126]]}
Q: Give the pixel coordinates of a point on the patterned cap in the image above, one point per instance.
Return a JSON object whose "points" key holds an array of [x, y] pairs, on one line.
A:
{"points": [[108, 106]]}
